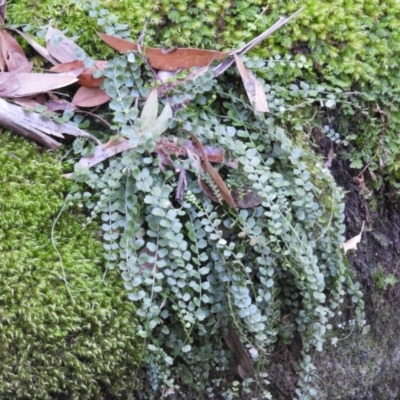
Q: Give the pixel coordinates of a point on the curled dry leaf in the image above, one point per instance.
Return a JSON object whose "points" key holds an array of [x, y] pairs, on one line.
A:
{"points": [[254, 88], [352, 243], [331, 154], [90, 97], [166, 61], [39, 48], [223, 189], [60, 47], [373, 175], [12, 54]]}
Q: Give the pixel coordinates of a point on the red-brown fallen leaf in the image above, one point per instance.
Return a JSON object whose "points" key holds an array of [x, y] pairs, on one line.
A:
{"points": [[60, 47], [254, 88], [76, 66], [90, 97], [86, 77], [171, 61], [12, 54], [32, 83]]}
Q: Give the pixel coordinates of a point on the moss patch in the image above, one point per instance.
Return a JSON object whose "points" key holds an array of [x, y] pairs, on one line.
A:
{"points": [[53, 345]]}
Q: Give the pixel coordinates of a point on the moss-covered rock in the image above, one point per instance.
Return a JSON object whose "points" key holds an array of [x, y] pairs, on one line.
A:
{"points": [[70, 339]]}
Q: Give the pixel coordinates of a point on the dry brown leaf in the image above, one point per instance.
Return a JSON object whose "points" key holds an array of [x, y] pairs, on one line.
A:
{"points": [[105, 151], [90, 97], [60, 47], [223, 189], [180, 148], [246, 198], [27, 102], [39, 48], [86, 77], [9, 83], [76, 66], [12, 54], [245, 367], [352, 243], [172, 61], [3, 7], [373, 175], [59, 105], [331, 154], [32, 83], [254, 88]]}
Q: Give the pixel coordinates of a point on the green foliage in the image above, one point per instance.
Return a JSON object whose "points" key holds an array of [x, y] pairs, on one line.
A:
{"points": [[382, 279], [63, 333], [352, 45], [192, 266]]}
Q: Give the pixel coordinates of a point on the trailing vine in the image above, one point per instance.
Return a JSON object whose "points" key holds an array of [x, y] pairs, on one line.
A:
{"points": [[195, 267]]}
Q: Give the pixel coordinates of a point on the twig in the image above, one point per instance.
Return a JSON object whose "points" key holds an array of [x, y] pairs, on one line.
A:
{"points": [[222, 67]]}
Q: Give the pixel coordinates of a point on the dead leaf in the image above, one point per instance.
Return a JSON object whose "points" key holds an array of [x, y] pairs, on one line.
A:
{"points": [[181, 148], [38, 47], [254, 88], [246, 198], [245, 367], [90, 97], [373, 176], [13, 55], [76, 66], [3, 7], [352, 243], [86, 77], [105, 151], [27, 102], [59, 105], [9, 83], [60, 47], [331, 154], [223, 189], [177, 59], [32, 83]]}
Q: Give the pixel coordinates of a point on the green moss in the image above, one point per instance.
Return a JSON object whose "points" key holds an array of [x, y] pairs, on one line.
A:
{"points": [[52, 344]]}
